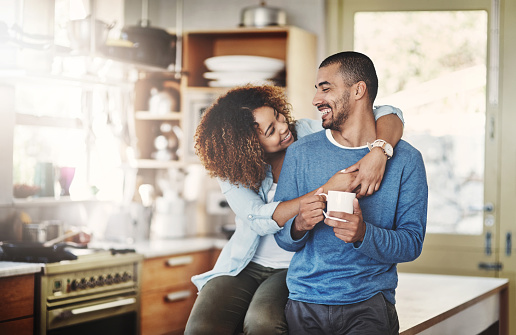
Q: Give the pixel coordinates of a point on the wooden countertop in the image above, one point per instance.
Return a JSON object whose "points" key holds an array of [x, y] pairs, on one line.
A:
{"points": [[424, 301]]}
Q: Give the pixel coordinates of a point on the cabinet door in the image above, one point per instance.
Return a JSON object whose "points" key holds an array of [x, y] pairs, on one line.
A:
{"points": [[166, 311], [17, 296], [167, 291], [23, 326]]}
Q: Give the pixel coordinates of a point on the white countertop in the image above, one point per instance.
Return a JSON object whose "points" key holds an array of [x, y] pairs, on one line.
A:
{"points": [[8, 269], [426, 301], [166, 247]]}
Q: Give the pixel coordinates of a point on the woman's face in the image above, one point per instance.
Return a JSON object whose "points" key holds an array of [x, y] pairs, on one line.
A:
{"points": [[272, 129]]}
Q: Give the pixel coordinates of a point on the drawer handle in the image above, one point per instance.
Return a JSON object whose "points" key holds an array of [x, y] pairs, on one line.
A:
{"points": [[179, 295], [177, 261]]}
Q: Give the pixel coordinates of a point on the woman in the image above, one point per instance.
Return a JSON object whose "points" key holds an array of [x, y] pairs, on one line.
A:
{"points": [[241, 140]]}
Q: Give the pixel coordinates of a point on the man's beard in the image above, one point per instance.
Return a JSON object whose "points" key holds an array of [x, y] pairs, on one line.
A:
{"points": [[339, 119]]}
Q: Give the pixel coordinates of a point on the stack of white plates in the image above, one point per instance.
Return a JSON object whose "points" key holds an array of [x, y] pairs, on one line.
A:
{"points": [[227, 71]]}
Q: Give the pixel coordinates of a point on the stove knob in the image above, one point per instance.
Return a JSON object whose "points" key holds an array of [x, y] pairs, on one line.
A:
{"points": [[83, 283], [109, 279], [126, 277], [117, 279], [74, 285], [92, 283], [100, 280]]}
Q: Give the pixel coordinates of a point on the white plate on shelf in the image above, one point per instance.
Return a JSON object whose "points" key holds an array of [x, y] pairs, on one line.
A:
{"points": [[232, 83], [244, 63], [240, 75]]}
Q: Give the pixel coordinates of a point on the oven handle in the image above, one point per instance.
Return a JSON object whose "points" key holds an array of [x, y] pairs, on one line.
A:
{"points": [[107, 305]]}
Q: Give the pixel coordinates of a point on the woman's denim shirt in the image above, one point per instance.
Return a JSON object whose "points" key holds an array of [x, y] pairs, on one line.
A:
{"points": [[254, 213]]}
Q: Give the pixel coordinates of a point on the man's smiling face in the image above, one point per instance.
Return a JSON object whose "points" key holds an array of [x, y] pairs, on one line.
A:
{"points": [[332, 97]]}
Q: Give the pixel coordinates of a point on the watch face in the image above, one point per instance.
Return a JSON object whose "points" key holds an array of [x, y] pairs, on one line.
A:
{"points": [[388, 149]]}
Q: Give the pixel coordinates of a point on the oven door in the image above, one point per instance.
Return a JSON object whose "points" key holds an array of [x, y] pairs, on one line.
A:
{"points": [[107, 316]]}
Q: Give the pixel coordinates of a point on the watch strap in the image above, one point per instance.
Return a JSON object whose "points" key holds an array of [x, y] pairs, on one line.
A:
{"points": [[380, 144]]}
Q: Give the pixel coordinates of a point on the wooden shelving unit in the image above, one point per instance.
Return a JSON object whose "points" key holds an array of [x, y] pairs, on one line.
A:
{"points": [[293, 45]]}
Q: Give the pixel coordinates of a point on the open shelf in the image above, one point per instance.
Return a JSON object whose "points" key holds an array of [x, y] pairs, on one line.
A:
{"points": [[155, 164], [200, 45], [146, 115]]}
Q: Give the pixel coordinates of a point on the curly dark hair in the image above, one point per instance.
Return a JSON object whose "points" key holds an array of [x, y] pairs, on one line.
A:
{"points": [[226, 141]]}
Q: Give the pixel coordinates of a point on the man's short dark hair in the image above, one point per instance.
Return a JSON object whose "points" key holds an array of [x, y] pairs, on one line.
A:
{"points": [[355, 67]]}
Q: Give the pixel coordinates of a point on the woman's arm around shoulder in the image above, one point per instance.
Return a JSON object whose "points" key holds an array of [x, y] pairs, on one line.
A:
{"points": [[371, 168]]}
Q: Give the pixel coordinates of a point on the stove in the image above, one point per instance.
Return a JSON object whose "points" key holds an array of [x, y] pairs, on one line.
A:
{"points": [[86, 290]]}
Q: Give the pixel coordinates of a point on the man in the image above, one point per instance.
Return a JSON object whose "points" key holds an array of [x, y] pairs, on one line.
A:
{"points": [[343, 277]]}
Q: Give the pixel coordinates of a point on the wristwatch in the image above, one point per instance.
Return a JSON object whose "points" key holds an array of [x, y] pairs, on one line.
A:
{"points": [[386, 147]]}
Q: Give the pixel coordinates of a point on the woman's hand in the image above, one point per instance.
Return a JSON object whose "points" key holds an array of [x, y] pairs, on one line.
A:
{"points": [[341, 182], [370, 172], [310, 213]]}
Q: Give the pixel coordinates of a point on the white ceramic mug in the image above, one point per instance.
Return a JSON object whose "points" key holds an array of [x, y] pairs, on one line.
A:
{"points": [[339, 202]]}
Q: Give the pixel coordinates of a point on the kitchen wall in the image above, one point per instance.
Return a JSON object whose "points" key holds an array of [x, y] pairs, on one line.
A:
{"points": [[208, 14]]}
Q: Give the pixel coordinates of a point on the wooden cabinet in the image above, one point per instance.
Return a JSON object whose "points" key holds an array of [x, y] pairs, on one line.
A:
{"points": [[167, 292], [293, 45], [17, 307]]}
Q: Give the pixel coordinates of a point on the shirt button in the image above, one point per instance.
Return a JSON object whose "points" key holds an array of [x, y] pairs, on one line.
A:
{"points": [[249, 216]]}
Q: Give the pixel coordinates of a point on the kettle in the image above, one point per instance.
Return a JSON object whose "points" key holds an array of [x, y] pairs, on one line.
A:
{"points": [[262, 16]]}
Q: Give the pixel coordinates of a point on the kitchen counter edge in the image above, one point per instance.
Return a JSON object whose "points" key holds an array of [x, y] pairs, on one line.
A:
{"points": [[167, 247], [149, 249], [10, 269]]}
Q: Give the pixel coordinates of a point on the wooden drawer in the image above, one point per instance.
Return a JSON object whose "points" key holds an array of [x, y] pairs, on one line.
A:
{"points": [[17, 296], [168, 294], [19, 327], [163, 272], [167, 311]]}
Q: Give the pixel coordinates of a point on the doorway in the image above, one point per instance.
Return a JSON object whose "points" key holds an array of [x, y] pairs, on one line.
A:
{"points": [[436, 62]]}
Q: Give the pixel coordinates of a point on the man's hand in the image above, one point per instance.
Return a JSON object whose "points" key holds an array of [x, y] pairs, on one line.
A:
{"points": [[370, 172], [310, 213], [351, 231]]}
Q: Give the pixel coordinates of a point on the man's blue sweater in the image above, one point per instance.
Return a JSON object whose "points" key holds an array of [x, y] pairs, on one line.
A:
{"points": [[325, 269]]}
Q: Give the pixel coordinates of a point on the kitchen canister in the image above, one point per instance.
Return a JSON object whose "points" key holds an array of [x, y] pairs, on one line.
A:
{"points": [[44, 178], [169, 217]]}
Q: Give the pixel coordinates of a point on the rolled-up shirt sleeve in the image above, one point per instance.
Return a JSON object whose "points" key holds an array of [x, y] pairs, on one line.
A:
{"points": [[250, 208], [383, 110]]}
